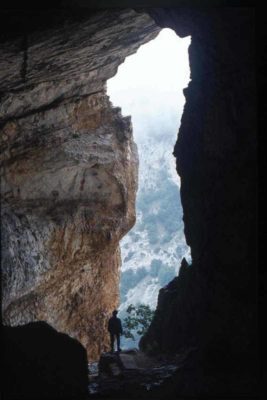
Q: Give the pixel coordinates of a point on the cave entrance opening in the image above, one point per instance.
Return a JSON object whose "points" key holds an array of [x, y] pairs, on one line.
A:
{"points": [[149, 87]]}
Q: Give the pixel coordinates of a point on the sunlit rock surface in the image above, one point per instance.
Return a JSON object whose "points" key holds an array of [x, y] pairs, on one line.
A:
{"points": [[69, 175]]}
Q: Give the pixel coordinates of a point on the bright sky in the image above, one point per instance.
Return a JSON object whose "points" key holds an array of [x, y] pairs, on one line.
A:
{"points": [[148, 85]]}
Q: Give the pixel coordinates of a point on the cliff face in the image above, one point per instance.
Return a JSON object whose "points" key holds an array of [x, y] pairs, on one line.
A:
{"points": [[69, 173]]}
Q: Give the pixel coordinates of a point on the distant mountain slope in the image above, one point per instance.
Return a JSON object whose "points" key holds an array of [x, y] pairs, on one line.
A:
{"points": [[153, 249]]}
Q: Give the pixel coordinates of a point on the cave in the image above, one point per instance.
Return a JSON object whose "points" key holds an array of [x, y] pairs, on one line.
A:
{"points": [[69, 180]]}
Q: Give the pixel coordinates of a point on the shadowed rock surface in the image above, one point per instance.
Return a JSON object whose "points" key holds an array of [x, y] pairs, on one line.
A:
{"points": [[213, 303], [41, 363]]}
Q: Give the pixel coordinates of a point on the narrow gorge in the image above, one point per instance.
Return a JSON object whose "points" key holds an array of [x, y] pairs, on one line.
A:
{"points": [[69, 169]]}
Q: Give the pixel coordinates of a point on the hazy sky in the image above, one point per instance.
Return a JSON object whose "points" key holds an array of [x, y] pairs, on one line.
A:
{"points": [[149, 84]]}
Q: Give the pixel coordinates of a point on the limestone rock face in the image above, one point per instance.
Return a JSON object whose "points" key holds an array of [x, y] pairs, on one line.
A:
{"points": [[69, 174]]}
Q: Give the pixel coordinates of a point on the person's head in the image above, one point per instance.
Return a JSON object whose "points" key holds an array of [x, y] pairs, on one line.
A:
{"points": [[115, 312]]}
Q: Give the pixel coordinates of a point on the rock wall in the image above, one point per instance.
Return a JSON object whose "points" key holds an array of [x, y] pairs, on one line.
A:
{"points": [[213, 302], [69, 172]]}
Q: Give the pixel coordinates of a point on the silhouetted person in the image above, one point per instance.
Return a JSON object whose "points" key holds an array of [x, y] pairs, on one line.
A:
{"points": [[115, 330]]}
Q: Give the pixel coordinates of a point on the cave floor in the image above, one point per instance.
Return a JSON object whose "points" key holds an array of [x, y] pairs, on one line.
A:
{"points": [[131, 373]]}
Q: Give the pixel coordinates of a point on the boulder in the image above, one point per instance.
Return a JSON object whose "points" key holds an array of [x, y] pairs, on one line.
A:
{"points": [[41, 363]]}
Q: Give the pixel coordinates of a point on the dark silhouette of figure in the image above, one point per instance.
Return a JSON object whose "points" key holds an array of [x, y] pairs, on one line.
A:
{"points": [[115, 330]]}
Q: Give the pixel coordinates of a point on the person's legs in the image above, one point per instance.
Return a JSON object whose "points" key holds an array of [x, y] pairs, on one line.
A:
{"points": [[112, 342], [118, 342]]}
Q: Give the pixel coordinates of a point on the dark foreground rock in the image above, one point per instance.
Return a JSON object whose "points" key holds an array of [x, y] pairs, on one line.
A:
{"points": [[215, 370], [41, 363]]}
